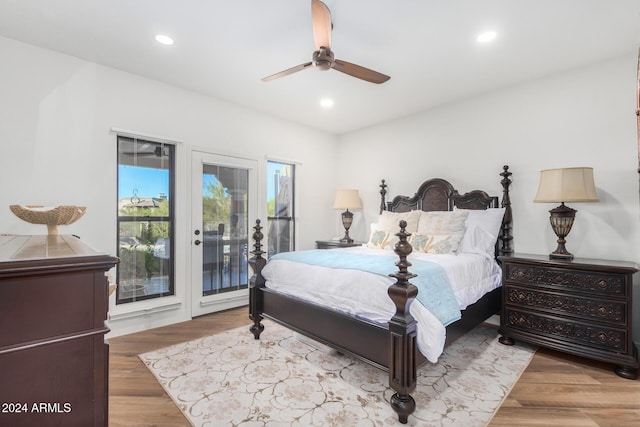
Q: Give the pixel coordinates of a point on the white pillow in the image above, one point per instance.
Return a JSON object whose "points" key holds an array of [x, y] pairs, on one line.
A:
{"points": [[442, 222], [488, 220], [477, 241], [390, 221]]}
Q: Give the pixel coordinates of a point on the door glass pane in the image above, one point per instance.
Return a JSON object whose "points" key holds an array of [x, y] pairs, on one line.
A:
{"points": [[280, 237], [145, 220], [224, 228]]}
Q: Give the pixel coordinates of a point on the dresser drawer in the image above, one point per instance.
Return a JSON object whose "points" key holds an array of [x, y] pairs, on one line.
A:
{"points": [[592, 335], [612, 311], [564, 279], [37, 307]]}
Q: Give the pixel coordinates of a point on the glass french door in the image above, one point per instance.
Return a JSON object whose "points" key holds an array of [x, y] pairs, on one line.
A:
{"points": [[223, 207]]}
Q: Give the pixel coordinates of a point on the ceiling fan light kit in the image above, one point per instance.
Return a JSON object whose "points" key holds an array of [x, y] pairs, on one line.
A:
{"points": [[323, 58]]}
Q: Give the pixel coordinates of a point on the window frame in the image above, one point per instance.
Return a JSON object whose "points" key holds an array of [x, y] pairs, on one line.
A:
{"points": [[170, 219]]}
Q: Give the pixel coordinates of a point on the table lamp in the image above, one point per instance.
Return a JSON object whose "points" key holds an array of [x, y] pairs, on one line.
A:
{"points": [[560, 186], [347, 199]]}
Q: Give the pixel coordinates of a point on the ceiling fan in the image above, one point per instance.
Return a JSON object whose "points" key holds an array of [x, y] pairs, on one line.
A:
{"points": [[323, 58]]}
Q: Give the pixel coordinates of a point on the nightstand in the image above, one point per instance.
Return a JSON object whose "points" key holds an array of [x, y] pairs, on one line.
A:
{"points": [[332, 244], [583, 307]]}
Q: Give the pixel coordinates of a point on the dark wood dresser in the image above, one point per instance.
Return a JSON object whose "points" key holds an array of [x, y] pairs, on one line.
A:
{"points": [[583, 307], [53, 356]]}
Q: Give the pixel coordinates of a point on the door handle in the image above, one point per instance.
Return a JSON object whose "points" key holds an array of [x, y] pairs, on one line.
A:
{"points": [[197, 242]]}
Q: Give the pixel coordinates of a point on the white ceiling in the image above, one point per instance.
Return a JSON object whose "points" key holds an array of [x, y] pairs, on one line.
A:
{"points": [[224, 48]]}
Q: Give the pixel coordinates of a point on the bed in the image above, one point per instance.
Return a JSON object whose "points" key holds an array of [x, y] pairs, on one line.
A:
{"points": [[391, 345]]}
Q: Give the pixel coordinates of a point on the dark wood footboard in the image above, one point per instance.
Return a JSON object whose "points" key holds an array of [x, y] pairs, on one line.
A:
{"points": [[348, 334]]}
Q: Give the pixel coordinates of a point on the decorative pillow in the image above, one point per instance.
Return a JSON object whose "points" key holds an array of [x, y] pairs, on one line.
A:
{"points": [[390, 221], [380, 238], [442, 222], [435, 243], [488, 220], [391, 241], [377, 239]]}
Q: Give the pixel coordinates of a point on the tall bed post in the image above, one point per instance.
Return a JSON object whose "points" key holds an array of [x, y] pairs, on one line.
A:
{"points": [[402, 332], [256, 282], [383, 195], [506, 236]]}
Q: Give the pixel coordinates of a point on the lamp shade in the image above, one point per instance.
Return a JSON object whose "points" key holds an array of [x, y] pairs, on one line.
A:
{"points": [[347, 199], [566, 185]]}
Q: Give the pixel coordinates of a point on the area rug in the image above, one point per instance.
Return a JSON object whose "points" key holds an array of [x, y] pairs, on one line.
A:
{"points": [[230, 379]]}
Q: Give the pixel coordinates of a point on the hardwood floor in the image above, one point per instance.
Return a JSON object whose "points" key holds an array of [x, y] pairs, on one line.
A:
{"points": [[135, 397], [555, 390], [558, 389]]}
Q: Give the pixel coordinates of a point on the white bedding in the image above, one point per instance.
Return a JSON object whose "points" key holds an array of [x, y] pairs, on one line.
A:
{"points": [[365, 294]]}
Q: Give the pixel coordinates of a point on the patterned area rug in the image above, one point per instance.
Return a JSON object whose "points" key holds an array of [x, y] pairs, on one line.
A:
{"points": [[232, 379]]}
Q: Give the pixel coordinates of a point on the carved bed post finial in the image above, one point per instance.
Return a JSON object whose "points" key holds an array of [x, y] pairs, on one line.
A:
{"points": [[383, 194], [402, 332], [257, 281], [506, 236]]}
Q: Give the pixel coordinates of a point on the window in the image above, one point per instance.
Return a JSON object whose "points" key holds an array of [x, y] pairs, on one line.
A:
{"points": [[145, 220], [280, 207]]}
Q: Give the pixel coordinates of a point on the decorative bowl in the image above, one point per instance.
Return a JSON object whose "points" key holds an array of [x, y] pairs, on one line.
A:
{"points": [[51, 216]]}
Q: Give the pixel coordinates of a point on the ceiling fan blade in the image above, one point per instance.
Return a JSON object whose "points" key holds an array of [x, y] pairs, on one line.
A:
{"points": [[359, 72], [321, 22], [287, 72]]}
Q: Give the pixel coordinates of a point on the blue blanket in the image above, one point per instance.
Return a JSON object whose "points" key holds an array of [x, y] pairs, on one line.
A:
{"points": [[434, 290]]}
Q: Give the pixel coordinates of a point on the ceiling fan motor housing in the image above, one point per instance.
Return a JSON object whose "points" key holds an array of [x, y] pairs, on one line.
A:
{"points": [[323, 59]]}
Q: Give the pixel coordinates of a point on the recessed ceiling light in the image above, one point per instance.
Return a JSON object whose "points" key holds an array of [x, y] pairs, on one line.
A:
{"points": [[326, 103], [486, 37], [161, 38]]}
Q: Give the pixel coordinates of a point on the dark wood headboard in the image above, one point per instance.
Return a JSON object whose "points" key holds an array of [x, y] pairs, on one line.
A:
{"points": [[438, 194]]}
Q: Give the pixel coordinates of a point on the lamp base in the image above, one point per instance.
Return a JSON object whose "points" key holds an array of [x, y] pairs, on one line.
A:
{"points": [[561, 221], [561, 253], [347, 219]]}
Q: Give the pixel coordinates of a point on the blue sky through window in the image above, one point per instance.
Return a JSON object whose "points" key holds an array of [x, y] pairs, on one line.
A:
{"points": [[272, 167], [149, 182], [207, 179]]}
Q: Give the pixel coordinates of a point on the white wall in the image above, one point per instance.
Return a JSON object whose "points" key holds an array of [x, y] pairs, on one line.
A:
{"points": [[585, 117], [56, 113]]}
